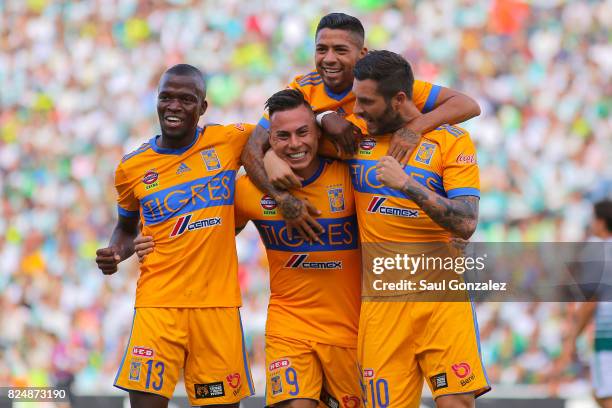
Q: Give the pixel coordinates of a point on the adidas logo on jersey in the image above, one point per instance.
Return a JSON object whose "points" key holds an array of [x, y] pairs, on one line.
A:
{"points": [[182, 168], [299, 261], [376, 206]]}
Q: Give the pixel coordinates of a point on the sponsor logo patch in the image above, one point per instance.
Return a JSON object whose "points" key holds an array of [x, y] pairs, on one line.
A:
{"points": [[438, 381], [211, 160], [466, 158], [233, 380], [183, 224], [268, 204], [277, 385], [139, 351], [336, 199], [366, 145], [425, 153], [350, 401], [150, 179], [377, 206], [368, 373], [135, 370], [464, 372], [210, 390], [299, 261], [278, 364], [328, 399]]}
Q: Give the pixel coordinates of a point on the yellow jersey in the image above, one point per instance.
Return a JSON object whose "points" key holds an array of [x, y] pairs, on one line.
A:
{"points": [[185, 201], [314, 288]]}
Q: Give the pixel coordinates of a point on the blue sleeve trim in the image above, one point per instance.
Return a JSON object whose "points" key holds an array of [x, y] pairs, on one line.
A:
{"points": [[463, 191], [264, 123], [431, 99], [125, 213]]}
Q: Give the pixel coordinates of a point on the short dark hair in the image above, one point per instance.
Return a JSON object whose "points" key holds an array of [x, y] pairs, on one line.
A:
{"points": [[341, 21], [390, 70], [603, 211], [188, 70], [285, 100]]}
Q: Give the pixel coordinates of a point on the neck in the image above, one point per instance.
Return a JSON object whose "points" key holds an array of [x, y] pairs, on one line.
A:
{"points": [[177, 142], [309, 170]]}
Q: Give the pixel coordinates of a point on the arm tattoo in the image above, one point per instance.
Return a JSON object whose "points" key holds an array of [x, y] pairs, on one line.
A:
{"points": [[458, 215], [290, 207], [252, 160]]}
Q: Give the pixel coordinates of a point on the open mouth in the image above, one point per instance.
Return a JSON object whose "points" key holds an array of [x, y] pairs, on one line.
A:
{"points": [[332, 71], [173, 121], [297, 156]]}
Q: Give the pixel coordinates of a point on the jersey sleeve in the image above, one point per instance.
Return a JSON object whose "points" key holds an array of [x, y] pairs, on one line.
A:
{"points": [[460, 172], [239, 135], [424, 95], [240, 202], [127, 204], [264, 122]]}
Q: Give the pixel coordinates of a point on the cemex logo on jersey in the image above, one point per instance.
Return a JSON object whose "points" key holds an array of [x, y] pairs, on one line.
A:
{"points": [[376, 206], [183, 224], [299, 261]]}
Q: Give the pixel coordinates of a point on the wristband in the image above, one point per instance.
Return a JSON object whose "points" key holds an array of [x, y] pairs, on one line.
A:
{"points": [[320, 116]]}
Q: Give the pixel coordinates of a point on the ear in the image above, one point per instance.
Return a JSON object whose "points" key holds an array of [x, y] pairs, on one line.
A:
{"points": [[399, 99], [363, 52], [203, 107]]}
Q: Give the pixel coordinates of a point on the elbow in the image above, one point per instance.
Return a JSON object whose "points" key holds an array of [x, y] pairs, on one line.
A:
{"points": [[468, 229], [474, 108]]}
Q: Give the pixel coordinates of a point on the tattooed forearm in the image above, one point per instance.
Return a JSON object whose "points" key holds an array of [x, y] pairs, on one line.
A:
{"points": [[290, 207], [252, 160], [458, 215]]}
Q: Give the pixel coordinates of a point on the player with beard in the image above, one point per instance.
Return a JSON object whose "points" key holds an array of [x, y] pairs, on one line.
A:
{"points": [[180, 187], [339, 44], [427, 202]]}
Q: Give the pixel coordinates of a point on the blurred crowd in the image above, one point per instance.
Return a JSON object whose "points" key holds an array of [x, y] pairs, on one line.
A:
{"points": [[77, 91]]}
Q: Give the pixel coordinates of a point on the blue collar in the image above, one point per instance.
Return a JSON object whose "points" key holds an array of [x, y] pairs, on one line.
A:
{"points": [[316, 174], [167, 150], [338, 96]]}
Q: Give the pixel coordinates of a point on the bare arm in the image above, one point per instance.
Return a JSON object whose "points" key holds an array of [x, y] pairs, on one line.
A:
{"points": [[458, 215], [581, 319], [120, 247]]}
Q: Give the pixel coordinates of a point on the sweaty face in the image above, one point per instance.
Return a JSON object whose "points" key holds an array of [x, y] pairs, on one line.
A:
{"points": [[336, 53], [371, 106], [294, 137], [180, 103]]}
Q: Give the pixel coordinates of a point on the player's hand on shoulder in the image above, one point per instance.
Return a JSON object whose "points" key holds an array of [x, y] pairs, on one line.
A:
{"points": [[279, 173], [299, 216], [107, 259], [341, 132], [402, 144], [143, 245], [391, 173]]}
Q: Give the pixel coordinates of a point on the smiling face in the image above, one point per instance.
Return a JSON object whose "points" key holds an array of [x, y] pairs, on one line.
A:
{"points": [[180, 103], [336, 53], [294, 137], [375, 109]]}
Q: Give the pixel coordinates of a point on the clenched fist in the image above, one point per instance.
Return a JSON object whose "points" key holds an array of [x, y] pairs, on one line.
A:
{"points": [[107, 260], [391, 173]]}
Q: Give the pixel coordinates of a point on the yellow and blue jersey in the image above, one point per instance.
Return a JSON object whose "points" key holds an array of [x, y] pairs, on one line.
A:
{"points": [[321, 98], [184, 199], [315, 288], [444, 162]]}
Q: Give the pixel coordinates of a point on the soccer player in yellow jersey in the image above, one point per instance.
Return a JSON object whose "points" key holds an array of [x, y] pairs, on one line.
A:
{"points": [[313, 314], [339, 45], [180, 187], [311, 328], [435, 196]]}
